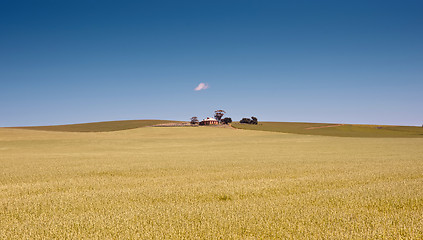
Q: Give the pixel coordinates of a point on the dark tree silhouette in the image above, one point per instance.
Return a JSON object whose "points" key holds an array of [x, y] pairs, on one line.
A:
{"points": [[253, 120], [218, 114], [245, 120], [194, 120], [226, 120]]}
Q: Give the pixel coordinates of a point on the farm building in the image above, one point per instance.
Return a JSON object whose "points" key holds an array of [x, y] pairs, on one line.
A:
{"points": [[209, 121]]}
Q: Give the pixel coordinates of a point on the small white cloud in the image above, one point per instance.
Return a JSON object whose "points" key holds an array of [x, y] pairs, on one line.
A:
{"points": [[201, 86]]}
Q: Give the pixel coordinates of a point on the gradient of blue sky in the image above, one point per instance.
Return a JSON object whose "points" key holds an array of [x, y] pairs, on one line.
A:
{"points": [[74, 61]]}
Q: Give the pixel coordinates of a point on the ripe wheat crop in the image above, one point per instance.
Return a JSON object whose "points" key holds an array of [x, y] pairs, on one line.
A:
{"points": [[208, 183]]}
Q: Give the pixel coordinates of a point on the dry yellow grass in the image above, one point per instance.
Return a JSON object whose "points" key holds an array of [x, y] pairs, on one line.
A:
{"points": [[209, 183]]}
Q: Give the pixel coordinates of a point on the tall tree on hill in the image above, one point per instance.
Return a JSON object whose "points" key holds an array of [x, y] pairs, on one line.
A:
{"points": [[194, 120], [218, 114]]}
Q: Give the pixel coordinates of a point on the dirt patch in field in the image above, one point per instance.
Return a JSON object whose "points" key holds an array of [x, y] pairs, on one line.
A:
{"points": [[187, 124], [327, 126], [174, 125]]}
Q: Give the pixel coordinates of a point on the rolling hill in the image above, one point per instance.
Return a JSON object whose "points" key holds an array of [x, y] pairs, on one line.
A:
{"points": [[338, 130], [321, 129], [100, 126], [208, 183]]}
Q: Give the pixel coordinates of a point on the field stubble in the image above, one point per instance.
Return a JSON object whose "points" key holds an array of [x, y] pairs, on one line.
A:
{"points": [[212, 183]]}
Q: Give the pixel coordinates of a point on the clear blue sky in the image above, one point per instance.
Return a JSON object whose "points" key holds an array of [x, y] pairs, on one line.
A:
{"points": [[76, 61]]}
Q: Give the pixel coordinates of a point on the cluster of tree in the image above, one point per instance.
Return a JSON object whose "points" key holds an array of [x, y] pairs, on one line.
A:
{"points": [[252, 120], [226, 120], [218, 115]]}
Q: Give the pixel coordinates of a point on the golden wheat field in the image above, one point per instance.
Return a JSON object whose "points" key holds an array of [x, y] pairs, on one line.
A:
{"points": [[208, 183]]}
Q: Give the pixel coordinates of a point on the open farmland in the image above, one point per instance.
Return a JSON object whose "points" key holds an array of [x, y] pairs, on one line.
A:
{"points": [[205, 182], [100, 126], [337, 130]]}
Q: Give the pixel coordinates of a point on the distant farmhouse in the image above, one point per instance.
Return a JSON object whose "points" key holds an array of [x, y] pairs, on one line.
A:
{"points": [[209, 121]]}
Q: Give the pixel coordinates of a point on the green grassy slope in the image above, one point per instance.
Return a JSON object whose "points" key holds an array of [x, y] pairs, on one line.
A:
{"points": [[100, 126], [323, 129], [347, 130]]}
